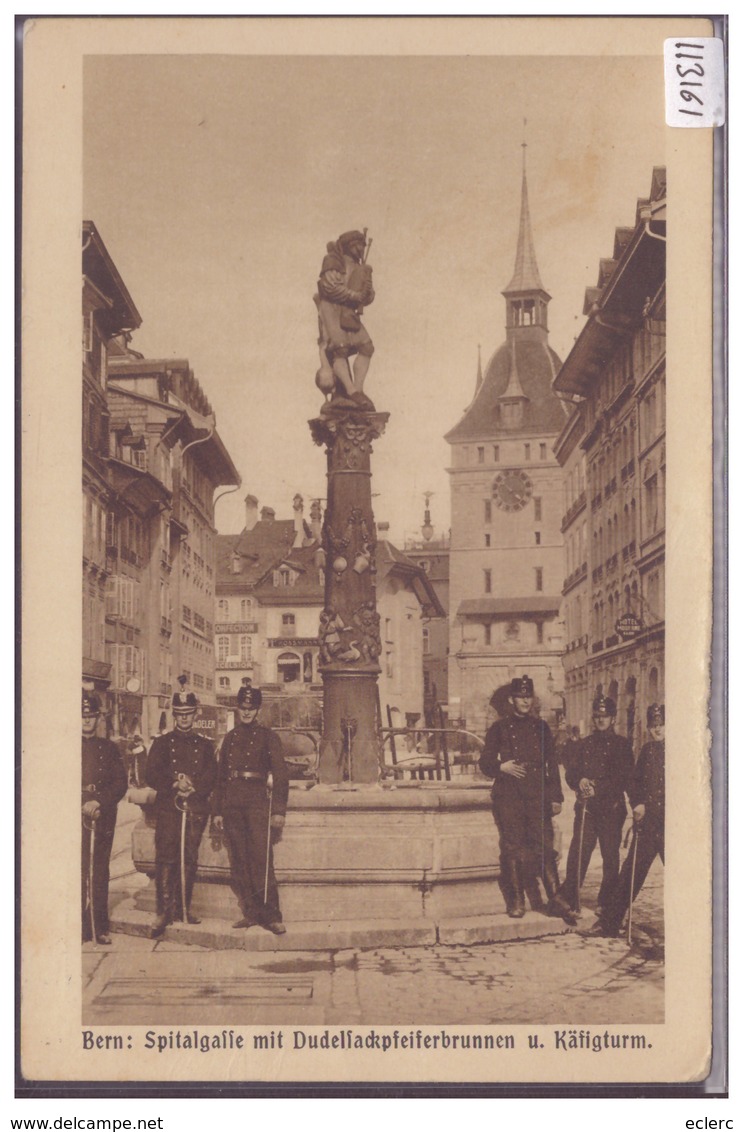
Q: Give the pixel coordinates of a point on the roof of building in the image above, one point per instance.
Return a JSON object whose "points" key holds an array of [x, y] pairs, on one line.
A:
{"points": [[617, 305], [533, 364], [103, 273], [391, 560], [506, 606], [270, 544]]}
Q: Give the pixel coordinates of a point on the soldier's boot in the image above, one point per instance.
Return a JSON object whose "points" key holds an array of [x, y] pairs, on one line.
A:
{"points": [[557, 905], [190, 881], [517, 908], [165, 878]]}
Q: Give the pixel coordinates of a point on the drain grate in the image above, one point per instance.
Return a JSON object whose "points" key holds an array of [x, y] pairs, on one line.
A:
{"points": [[196, 991]]}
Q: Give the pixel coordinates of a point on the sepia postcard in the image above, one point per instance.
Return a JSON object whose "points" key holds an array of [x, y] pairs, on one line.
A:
{"points": [[395, 424]]}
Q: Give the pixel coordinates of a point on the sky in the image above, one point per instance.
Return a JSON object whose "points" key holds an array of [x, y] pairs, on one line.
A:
{"points": [[217, 181]]}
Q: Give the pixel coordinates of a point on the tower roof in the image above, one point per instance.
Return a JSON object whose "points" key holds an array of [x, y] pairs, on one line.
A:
{"points": [[525, 273], [525, 366], [526, 363]]}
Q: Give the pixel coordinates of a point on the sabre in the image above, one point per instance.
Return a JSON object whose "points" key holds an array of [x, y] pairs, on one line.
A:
{"points": [[91, 874], [580, 855], [632, 885], [180, 804], [269, 788]]}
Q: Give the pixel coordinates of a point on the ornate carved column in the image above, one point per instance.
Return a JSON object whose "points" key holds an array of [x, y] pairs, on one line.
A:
{"points": [[349, 624]]}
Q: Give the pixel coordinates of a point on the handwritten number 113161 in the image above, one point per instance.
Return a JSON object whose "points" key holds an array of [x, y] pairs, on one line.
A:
{"points": [[685, 69]]}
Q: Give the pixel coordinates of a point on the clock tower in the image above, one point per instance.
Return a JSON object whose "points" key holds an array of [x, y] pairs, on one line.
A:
{"points": [[506, 557]]}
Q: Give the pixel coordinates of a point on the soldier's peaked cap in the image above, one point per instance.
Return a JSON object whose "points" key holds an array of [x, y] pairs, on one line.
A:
{"points": [[91, 703], [183, 701], [249, 697], [522, 686], [657, 715], [604, 705]]}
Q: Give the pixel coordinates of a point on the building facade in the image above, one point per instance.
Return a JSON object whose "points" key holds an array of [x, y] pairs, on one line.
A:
{"points": [[108, 310], [617, 370], [270, 594], [576, 591], [151, 460], [506, 553], [167, 460]]}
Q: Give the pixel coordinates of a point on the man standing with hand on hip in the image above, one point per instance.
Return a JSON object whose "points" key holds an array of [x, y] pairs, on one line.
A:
{"points": [[250, 804], [519, 756]]}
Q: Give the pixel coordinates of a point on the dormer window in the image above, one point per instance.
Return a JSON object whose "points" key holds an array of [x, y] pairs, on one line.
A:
{"points": [[236, 564], [284, 577]]}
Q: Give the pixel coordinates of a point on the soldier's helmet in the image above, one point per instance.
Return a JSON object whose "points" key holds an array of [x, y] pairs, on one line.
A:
{"points": [[657, 715], [91, 704], [522, 686], [184, 702], [249, 697], [604, 705]]}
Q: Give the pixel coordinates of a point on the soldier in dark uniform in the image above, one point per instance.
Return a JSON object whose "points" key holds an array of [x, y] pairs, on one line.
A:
{"points": [[648, 800], [600, 772], [103, 787], [251, 754], [182, 768], [519, 756]]}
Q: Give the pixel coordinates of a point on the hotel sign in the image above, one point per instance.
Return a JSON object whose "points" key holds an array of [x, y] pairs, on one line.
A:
{"points": [[628, 627]]}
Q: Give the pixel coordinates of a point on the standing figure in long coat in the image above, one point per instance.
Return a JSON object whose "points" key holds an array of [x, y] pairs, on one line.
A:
{"points": [[648, 801], [182, 768], [250, 802], [103, 787], [519, 756], [600, 773]]}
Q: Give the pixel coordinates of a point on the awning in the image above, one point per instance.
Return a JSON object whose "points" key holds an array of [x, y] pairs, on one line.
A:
{"points": [[533, 605]]}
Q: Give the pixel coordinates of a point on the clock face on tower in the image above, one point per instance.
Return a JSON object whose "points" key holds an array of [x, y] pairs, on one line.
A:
{"points": [[512, 490]]}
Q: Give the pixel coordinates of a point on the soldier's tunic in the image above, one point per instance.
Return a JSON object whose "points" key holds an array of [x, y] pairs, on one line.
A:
{"points": [[522, 807], [248, 754], [180, 752], [649, 789], [103, 781], [606, 759]]}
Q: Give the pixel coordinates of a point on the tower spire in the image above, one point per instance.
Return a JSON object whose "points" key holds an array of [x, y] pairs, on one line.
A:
{"points": [[525, 272]]}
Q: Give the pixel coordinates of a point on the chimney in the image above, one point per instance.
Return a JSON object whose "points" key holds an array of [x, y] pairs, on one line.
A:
{"points": [[298, 505], [268, 514], [316, 520], [251, 512], [383, 530]]}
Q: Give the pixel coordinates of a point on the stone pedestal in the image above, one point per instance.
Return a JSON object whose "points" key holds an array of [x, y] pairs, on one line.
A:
{"points": [[350, 644]]}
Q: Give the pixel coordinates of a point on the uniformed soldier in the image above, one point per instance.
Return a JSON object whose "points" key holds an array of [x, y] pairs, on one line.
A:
{"points": [[648, 800], [519, 756], [182, 768], [103, 787], [600, 772], [252, 793]]}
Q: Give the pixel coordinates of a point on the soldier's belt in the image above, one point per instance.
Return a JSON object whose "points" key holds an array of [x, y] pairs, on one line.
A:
{"points": [[246, 774]]}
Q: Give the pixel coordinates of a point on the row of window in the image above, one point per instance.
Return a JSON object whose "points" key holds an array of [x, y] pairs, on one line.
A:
{"points": [[493, 451], [244, 605]]}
